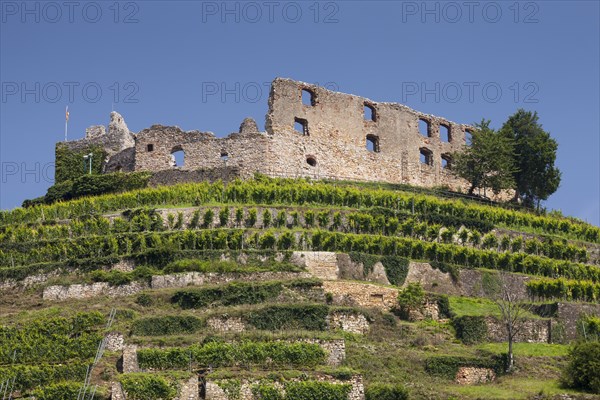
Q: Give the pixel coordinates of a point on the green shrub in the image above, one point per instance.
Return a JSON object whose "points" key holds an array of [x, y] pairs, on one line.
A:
{"points": [[166, 325], [69, 163], [237, 293], [411, 297], [146, 386], [312, 390], [295, 316], [583, 370], [470, 329], [94, 185], [266, 391], [380, 391], [447, 366], [396, 269], [144, 300]]}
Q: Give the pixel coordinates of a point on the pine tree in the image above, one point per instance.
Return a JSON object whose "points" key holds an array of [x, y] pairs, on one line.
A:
{"points": [[536, 177]]}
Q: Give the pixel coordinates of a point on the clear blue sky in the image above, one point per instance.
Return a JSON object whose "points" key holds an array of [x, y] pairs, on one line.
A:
{"points": [[206, 65]]}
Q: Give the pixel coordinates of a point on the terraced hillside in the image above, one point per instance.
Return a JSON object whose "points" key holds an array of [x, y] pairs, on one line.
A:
{"points": [[288, 289]]}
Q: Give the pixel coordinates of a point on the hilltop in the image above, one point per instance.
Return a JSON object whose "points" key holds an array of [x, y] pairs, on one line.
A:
{"points": [[272, 288]]}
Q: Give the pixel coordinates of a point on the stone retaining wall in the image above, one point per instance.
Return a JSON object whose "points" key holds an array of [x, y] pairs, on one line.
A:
{"points": [[320, 264], [215, 278], [361, 294], [353, 323], [85, 291], [215, 392], [473, 375], [533, 331]]}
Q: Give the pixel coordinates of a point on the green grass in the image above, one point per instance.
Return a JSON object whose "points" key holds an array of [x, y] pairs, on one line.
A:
{"points": [[528, 349], [473, 306], [508, 388]]}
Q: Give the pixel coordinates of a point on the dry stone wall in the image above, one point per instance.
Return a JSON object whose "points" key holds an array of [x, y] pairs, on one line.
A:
{"points": [[320, 264], [353, 323], [473, 375], [81, 291], [361, 294], [215, 392], [532, 331], [86, 291]]}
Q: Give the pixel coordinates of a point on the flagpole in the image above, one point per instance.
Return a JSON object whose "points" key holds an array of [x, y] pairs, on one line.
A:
{"points": [[66, 122]]}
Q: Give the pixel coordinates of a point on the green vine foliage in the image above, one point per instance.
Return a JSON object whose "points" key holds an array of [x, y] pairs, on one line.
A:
{"points": [[51, 340], [27, 377], [59, 391], [145, 386], [300, 192], [166, 325], [237, 293], [289, 317], [309, 390], [245, 353]]}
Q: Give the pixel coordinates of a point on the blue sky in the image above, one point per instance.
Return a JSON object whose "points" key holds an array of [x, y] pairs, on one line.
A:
{"points": [[206, 65]]}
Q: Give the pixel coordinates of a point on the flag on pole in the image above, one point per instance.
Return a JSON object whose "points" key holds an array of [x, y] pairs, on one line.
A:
{"points": [[66, 121]]}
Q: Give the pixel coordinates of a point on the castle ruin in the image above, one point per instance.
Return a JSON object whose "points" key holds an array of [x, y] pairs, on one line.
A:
{"points": [[310, 131]]}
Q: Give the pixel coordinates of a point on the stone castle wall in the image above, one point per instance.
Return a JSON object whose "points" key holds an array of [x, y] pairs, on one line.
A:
{"points": [[331, 142]]}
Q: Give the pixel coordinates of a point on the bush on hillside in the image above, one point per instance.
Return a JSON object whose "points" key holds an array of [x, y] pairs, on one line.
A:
{"points": [[583, 371]]}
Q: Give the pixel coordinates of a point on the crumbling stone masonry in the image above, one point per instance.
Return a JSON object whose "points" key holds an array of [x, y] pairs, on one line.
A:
{"points": [[330, 135]]}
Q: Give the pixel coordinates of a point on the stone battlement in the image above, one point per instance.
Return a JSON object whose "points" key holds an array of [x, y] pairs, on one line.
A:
{"points": [[310, 131]]}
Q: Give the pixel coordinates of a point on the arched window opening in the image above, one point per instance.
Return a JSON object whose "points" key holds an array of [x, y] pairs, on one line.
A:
{"points": [[424, 127], [177, 157], [310, 160], [445, 135], [373, 143], [308, 97], [446, 161], [468, 137], [426, 156], [301, 126], [370, 113]]}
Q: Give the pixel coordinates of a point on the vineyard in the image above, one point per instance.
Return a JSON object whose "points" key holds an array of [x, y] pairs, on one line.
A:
{"points": [[287, 289]]}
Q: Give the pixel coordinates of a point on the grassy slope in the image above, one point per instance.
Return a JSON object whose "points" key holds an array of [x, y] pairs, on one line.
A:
{"points": [[389, 353]]}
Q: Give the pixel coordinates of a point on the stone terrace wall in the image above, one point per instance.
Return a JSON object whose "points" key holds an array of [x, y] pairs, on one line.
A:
{"points": [[83, 291], [568, 315], [214, 391], [361, 294], [533, 331]]}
